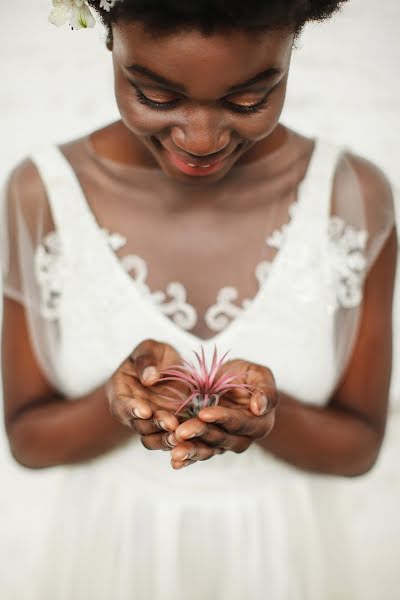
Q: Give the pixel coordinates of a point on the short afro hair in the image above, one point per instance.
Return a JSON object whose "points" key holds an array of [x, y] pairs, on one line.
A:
{"points": [[213, 15]]}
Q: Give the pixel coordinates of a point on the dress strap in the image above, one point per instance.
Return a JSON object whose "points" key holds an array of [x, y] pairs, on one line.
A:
{"points": [[316, 188], [67, 201]]}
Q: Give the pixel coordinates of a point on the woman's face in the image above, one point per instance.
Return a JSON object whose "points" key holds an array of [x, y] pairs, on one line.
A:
{"points": [[200, 103]]}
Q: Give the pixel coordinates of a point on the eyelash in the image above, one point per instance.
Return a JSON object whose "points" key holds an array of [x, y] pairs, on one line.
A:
{"points": [[172, 103]]}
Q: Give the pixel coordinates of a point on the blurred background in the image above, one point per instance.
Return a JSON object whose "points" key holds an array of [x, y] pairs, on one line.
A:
{"points": [[57, 84]]}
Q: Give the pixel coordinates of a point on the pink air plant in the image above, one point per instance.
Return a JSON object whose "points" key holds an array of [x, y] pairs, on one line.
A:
{"points": [[205, 385]]}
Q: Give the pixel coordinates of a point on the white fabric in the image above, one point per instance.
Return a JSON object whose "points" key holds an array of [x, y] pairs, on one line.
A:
{"points": [[240, 526]]}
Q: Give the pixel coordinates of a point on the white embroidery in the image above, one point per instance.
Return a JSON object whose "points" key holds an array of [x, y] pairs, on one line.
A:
{"points": [[114, 240], [347, 260], [278, 236], [218, 316], [49, 272], [346, 263], [346, 268], [182, 313]]}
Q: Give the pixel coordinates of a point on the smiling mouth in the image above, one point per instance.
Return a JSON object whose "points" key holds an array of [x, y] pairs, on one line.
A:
{"points": [[201, 165], [195, 168]]}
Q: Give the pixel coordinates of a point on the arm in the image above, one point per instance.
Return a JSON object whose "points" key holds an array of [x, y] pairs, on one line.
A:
{"points": [[44, 428], [344, 438]]}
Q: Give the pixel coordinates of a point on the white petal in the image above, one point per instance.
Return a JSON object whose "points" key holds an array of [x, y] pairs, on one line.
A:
{"points": [[81, 17], [107, 5], [59, 15]]}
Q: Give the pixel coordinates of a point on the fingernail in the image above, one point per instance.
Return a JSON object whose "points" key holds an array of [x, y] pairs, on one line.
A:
{"points": [[161, 425], [149, 373], [262, 404], [171, 440], [138, 412], [189, 455]]}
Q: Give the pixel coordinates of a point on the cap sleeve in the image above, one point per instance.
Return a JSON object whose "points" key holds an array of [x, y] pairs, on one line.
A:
{"points": [[362, 219], [26, 219], [363, 200]]}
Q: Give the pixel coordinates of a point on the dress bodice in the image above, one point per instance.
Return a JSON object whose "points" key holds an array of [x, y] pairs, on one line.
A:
{"points": [[289, 324]]}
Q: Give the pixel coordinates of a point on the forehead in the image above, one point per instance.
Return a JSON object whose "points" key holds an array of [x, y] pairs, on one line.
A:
{"points": [[190, 57]]}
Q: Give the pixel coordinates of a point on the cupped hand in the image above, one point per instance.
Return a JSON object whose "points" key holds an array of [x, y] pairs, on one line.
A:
{"points": [[240, 419], [139, 400]]}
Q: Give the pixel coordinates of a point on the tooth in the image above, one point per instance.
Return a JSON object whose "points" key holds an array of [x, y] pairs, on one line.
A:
{"points": [[191, 165], [204, 166]]}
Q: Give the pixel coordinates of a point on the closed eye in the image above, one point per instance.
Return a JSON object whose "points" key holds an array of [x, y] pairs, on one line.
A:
{"points": [[248, 102], [248, 107]]}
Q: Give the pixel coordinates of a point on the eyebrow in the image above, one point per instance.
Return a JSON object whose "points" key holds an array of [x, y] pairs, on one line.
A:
{"points": [[173, 85]]}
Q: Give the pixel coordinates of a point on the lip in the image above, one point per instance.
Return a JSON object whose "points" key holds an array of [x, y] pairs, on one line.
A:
{"points": [[199, 166]]}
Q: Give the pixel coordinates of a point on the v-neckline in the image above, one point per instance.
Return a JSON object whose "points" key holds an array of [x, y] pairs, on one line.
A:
{"points": [[151, 309]]}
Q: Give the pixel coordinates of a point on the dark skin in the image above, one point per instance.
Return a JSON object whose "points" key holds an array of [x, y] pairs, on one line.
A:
{"points": [[205, 121]]}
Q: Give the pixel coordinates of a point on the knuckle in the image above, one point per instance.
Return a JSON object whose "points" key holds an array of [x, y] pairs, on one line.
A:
{"points": [[118, 410], [237, 428], [145, 352], [212, 439], [145, 442], [139, 427], [220, 451], [242, 446], [203, 454]]}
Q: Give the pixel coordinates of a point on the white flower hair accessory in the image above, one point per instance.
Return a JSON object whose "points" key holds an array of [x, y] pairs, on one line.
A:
{"points": [[76, 12]]}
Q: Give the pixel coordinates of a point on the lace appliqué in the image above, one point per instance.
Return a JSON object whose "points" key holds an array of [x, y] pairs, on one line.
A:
{"points": [[176, 307], [219, 315], [49, 272], [347, 261], [345, 266]]}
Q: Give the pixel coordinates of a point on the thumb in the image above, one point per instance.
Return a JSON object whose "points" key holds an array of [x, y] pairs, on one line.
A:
{"points": [[150, 358]]}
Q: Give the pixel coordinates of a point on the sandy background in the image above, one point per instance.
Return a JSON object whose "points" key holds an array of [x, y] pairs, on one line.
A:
{"points": [[344, 86]]}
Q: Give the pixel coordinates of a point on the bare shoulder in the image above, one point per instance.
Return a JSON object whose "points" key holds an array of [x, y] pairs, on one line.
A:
{"points": [[372, 179], [25, 189]]}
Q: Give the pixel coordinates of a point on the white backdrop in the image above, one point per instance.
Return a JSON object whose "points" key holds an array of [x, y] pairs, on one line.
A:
{"points": [[344, 85]]}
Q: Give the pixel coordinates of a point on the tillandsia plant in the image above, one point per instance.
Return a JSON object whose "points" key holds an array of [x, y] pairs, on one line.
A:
{"points": [[76, 12], [205, 385]]}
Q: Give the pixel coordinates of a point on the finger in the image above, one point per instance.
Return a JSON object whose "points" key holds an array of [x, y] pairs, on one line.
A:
{"points": [[165, 420], [192, 451], [216, 437], [212, 435], [144, 426], [157, 441], [179, 465], [262, 395], [265, 397], [150, 357], [126, 408], [234, 421], [264, 400], [190, 429]]}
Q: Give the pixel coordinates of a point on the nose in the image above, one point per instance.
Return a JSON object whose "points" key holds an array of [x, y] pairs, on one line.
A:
{"points": [[201, 134]]}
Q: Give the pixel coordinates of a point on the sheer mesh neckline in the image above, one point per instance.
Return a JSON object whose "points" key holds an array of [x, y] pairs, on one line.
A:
{"points": [[145, 302]]}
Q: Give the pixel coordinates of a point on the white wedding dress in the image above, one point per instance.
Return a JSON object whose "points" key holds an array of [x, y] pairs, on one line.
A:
{"points": [[238, 527]]}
